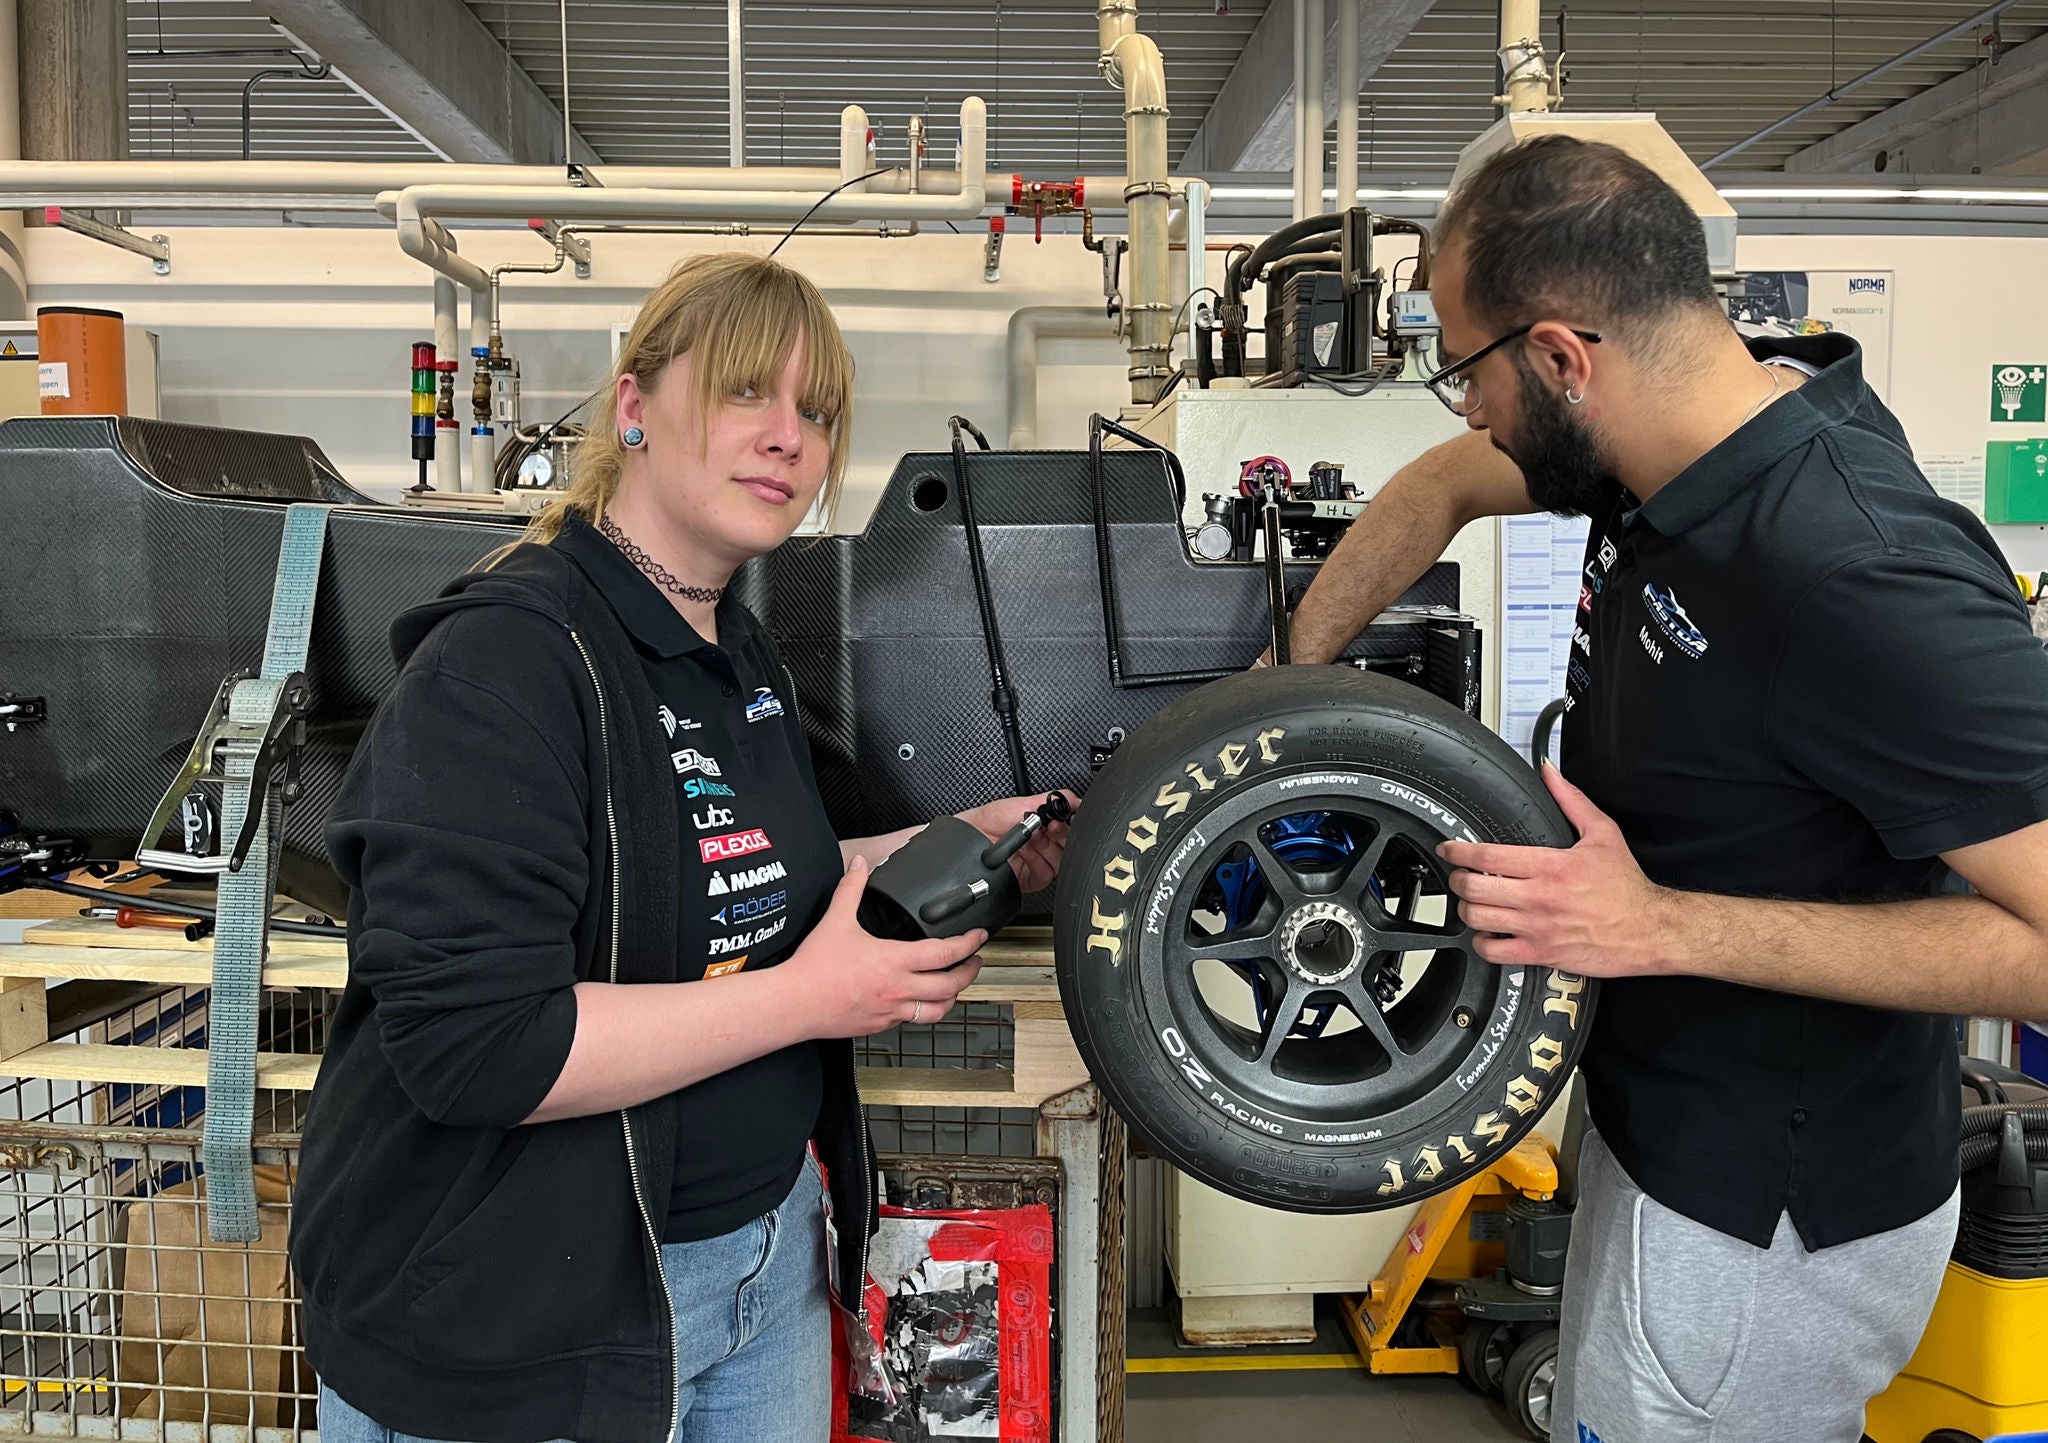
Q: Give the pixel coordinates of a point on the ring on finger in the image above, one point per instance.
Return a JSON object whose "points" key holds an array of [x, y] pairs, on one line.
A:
{"points": [[916, 1010]]}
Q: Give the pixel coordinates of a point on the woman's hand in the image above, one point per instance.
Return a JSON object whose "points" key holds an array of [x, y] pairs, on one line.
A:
{"points": [[850, 984], [1038, 861]]}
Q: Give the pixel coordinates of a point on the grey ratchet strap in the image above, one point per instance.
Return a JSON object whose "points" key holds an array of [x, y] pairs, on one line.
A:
{"points": [[250, 741]]}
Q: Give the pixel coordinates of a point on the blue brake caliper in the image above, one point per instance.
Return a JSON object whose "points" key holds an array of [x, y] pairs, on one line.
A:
{"points": [[1311, 841]]}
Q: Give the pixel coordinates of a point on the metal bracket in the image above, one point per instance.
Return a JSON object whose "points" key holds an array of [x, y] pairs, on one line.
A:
{"points": [[20, 711], [156, 247], [279, 741]]}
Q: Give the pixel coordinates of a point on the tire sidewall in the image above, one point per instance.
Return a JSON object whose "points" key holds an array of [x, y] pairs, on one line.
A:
{"points": [[1133, 848]]}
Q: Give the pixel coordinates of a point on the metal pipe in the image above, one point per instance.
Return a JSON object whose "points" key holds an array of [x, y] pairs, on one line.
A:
{"points": [[447, 347], [304, 72], [736, 82], [1195, 224], [1962, 27], [13, 259], [568, 135], [1027, 328], [1296, 209], [1347, 103], [1309, 159]]}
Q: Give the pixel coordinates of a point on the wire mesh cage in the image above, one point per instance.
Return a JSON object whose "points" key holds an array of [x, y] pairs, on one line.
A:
{"points": [[119, 1318], [973, 1035]]}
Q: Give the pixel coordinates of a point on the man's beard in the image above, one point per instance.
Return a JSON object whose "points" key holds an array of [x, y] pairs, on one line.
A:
{"points": [[1560, 459]]}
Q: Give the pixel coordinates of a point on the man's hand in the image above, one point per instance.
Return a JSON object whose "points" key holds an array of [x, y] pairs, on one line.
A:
{"points": [[1038, 862], [1587, 908]]}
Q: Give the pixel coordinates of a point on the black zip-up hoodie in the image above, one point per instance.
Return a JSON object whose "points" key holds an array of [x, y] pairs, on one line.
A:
{"points": [[467, 1277]]}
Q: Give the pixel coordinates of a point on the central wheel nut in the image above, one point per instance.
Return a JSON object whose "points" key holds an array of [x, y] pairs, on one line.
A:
{"points": [[1323, 942]]}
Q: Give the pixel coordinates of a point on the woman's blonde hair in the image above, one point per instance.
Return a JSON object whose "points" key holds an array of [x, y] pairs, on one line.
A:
{"points": [[738, 316]]}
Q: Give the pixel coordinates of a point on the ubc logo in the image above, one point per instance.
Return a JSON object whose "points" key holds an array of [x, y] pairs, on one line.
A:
{"points": [[1870, 285]]}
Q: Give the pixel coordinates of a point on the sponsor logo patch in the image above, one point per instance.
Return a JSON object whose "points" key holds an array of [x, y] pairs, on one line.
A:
{"points": [[689, 759], [1662, 604], [748, 908], [698, 787], [740, 879], [765, 704], [671, 723], [711, 817], [725, 968], [732, 845], [722, 945]]}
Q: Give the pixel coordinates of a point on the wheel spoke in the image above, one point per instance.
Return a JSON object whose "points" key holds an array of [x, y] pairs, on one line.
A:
{"points": [[1280, 1022], [1357, 991], [1419, 941], [1358, 872], [1277, 875], [1247, 948]]}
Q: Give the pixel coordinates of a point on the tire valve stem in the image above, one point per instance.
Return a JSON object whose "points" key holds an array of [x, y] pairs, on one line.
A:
{"points": [[1463, 1017]]}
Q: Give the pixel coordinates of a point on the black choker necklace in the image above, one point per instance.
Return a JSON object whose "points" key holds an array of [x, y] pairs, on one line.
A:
{"points": [[653, 570]]}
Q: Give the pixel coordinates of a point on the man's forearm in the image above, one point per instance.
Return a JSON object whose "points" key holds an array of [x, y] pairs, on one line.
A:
{"points": [[1395, 539], [1963, 955]]}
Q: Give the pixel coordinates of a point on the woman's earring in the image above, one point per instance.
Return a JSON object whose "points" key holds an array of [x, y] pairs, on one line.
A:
{"points": [[634, 436], [1570, 399]]}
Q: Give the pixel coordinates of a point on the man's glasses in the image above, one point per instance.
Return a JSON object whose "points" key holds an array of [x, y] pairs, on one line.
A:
{"points": [[1453, 384]]}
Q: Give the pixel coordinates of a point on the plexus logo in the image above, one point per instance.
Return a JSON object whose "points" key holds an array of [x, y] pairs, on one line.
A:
{"points": [[732, 845]]}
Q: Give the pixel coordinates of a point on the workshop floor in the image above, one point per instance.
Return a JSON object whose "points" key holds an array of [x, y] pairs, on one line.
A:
{"points": [[1200, 1403]]}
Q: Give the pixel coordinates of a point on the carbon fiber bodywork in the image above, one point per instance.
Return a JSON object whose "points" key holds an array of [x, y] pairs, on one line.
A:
{"points": [[883, 635], [135, 573], [137, 560]]}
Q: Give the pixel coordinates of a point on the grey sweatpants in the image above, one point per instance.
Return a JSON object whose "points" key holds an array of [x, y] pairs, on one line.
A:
{"points": [[1675, 1333]]}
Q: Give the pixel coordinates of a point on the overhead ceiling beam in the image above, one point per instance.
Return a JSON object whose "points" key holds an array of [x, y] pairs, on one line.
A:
{"points": [[434, 68], [1250, 126], [1939, 122]]}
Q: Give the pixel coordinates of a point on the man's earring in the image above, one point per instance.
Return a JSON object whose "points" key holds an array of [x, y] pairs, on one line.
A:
{"points": [[1574, 399], [634, 436]]}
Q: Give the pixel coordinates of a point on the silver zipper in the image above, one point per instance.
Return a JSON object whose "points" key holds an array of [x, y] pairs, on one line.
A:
{"points": [[611, 822], [867, 1199]]}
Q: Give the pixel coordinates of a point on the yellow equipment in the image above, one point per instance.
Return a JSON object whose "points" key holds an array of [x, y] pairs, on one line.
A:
{"points": [[1473, 1286], [1981, 1371]]}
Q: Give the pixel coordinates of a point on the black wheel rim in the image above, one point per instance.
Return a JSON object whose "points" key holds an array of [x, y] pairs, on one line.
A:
{"points": [[1306, 964]]}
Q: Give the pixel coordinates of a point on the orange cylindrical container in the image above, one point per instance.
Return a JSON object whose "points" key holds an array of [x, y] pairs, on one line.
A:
{"points": [[82, 361]]}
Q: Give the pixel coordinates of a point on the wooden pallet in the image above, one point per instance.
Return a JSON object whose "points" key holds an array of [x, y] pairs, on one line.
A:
{"points": [[1017, 970]]}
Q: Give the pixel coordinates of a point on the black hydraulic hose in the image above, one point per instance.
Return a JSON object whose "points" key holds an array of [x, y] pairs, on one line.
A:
{"points": [[2033, 1117], [1395, 225], [1242, 273], [1001, 696], [1984, 1147], [146, 903], [1112, 614]]}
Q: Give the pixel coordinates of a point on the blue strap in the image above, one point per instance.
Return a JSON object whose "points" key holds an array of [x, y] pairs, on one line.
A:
{"points": [[242, 934]]}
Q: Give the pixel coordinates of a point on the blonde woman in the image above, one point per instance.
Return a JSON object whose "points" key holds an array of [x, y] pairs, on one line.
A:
{"points": [[561, 1172]]}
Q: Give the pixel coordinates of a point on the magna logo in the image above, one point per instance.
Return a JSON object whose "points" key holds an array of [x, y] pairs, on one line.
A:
{"points": [[742, 878], [733, 845]]}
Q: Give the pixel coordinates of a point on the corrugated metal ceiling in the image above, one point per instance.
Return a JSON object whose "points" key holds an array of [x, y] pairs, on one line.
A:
{"points": [[647, 77]]}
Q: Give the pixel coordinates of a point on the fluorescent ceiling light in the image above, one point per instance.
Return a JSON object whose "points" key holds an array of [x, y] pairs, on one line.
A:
{"points": [[1821, 193], [1249, 192]]}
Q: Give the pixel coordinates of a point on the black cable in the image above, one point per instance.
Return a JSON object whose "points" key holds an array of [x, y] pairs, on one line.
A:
{"points": [[820, 201], [177, 909], [1105, 564], [1002, 698], [1174, 330], [1372, 381]]}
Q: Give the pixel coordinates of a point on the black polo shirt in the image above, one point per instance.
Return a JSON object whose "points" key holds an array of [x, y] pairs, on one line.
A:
{"points": [[1798, 674], [759, 865]]}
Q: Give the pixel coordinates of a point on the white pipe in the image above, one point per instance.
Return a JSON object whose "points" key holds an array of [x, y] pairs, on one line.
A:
{"points": [[1027, 328], [1347, 103], [736, 82], [447, 347], [853, 149], [13, 260], [1309, 159], [1149, 304], [1114, 19], [483, 443], [1521, 56]]}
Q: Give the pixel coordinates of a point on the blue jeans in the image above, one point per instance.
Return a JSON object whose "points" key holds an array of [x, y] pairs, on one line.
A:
{"points": [[755, 1324]]}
